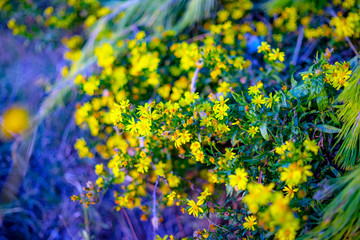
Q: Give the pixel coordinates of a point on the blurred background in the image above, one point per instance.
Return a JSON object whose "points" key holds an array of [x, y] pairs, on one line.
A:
{"points": [[38, 176]]}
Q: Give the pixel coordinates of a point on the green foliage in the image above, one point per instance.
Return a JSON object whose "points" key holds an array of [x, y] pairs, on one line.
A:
{"points": [[349, 152], [341, 217]]}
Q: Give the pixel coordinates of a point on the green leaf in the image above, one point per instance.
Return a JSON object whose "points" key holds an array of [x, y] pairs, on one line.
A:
{"points": [[264, 133], [237, 97], [85, 235], [229, 190], [333, 117], [327, 128], [234, 141], [336, 172], [293, 81], [317, 86], [299, 91], [322, 100]]}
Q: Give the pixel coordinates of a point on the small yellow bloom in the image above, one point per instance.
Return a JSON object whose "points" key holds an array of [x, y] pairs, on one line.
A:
{"points": [[295, 174], [143, 165], [203, 196], [310, 145], [239, 180], [194, 208], [100, 182], [276, 55], [250, 222], [258, 100], [171, 196], [264, 47], [132, 126], [254, 90], [270, 101], [290, 191], [99, 168], [253, 130]]}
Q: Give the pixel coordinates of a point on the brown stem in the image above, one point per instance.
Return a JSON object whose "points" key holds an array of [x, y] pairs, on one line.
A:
{"points": [[180, 224], [129, 222], [261, 173], [298, 46], [351, 46], [194, 80]]}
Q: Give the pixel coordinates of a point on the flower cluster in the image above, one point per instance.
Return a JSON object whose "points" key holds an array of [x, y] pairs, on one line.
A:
{"points": [[158, 136]]}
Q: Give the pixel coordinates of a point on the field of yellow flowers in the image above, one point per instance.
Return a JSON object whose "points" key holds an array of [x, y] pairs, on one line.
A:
{"points": [[179, 119]]}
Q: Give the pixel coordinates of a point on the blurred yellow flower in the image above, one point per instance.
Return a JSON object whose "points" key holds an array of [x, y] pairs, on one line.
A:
{"points": [[13, 122]]}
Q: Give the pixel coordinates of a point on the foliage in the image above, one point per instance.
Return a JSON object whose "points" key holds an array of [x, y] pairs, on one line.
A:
{"points": [[348, 154], [340, 219]]}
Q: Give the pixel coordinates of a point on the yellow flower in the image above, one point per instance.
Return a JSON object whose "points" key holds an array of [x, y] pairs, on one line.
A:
{"points": [[99, 168], [205, 234], [144, 127], [269, 101], [258, 195], [252, 131], [195, 146], [100, 182], [166, 237], [104, 54], [190, 98], [82, 149], [239, 180], [220, 110], [181, 137], [11, 23], [306, 76], [171, 196], [173, 180], [229, 154], [48, 11], [194, 208], [159, 169], [78, 79], [265, 47], [143, 110], [132, 127], [215, 29], [254, 90], [143, 165], [91, 85], [224, 88], [14, 121], [280, 150], [140, 35], [343, 27], [199, 156], [276, 55], [90, 21], [338, 75], [258, 100], [290, 191], [295, 174], [288, 233], [310, 145], [289, 145], [203, 196], [250, 222]]}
